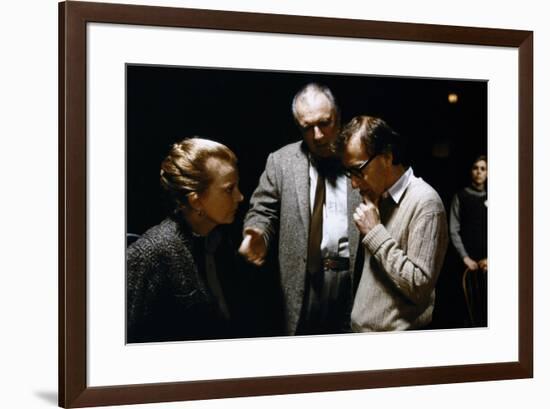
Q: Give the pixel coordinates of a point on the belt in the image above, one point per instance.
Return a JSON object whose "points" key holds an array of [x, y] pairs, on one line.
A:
{"points": [[335, 263]]}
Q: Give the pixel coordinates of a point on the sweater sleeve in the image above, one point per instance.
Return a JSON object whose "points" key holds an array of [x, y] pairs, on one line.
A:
{"points": [[414, 272], [454, 227], [265, 202]]}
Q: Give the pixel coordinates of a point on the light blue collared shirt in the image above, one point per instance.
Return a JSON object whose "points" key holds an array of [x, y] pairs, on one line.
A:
{"points": [[335, 240]]}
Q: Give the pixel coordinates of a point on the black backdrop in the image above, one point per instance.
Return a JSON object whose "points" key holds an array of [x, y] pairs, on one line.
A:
{"points": [[250, 112]]}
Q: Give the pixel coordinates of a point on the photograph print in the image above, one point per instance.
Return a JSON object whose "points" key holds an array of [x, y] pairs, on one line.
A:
{"points": [[275, 203]]}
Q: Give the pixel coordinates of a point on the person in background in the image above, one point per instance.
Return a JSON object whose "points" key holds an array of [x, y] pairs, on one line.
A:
{"points": [[468, 218], [181, 284], [468, 229], [304, 203], [403, 226]]}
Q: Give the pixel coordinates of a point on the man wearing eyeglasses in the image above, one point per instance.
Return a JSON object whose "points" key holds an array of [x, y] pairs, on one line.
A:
{"points": [[403, 227], [305, 202]]}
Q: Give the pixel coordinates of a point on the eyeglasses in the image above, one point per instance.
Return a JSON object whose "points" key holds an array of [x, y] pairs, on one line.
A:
{"points": [[357, 171]]}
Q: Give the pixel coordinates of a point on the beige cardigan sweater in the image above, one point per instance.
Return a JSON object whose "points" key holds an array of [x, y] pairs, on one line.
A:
{"points": [[403, 257]]}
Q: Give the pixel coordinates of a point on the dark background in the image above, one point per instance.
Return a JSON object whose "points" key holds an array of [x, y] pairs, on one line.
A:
{"points": [[250, 112]]}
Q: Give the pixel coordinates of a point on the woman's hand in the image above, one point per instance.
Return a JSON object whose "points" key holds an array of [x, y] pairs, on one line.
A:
{"points": [[471, 264], [483, 264]]}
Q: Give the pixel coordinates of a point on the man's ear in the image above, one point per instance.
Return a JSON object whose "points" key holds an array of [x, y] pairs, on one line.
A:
{"points": [[194, 201]]}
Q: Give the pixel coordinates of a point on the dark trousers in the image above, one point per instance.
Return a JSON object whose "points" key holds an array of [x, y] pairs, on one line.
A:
{"points": [[327, 303]]}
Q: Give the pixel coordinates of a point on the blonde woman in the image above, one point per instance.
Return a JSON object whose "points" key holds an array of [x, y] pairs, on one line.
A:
{"points": [[178, 272]]}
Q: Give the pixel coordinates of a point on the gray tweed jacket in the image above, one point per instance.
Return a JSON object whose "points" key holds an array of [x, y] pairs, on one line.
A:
{"points": [[280, 206]]}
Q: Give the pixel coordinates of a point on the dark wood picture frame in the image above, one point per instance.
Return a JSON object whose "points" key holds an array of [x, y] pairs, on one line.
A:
{"points": [[73, 388]]}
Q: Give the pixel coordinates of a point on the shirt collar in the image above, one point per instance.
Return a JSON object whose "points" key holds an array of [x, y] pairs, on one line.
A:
{"points": [[397, 190]]}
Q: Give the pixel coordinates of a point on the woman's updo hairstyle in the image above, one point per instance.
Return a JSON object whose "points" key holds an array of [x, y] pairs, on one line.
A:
{"points": [[184, 171]]}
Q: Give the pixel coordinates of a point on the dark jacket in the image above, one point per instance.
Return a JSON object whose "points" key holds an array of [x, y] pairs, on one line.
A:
{"points": [[168, 296]]}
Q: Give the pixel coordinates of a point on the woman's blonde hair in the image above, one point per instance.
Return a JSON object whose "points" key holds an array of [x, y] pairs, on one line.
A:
{"points": [[184, 170]]}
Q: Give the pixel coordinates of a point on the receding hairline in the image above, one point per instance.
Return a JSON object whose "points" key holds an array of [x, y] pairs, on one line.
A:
{"points": [[352, 130], [313, 90], [356, 140]]}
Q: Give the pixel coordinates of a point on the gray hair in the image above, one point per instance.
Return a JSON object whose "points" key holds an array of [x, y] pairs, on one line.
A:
{"points": [[313, 87]]}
